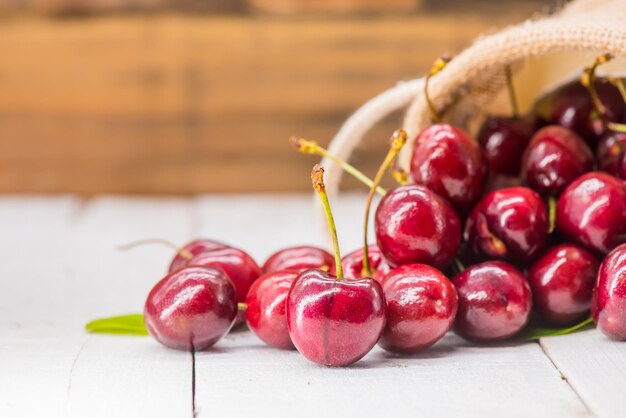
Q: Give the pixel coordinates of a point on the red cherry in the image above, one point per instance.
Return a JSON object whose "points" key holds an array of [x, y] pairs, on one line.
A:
{"points": [[191, 308], [421, 307], [609, 299], [504, 139], [451, 164], [562, 282], [508, 224], [299, 259], [334, 322], [194, 247], [592, 211], [494, 301], [353, 263], [555, 157], [237, 264], [266, 312], [415, 225], [611, 154]]}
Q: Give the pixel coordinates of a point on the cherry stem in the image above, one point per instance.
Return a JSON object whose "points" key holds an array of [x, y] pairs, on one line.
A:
{"points": [[399, 175], [588, 79], [619, 83], [242, 306], [551, 214], [398, 139], [317, 178], [306, 146], [511, 88], [459, 264], [149, 241], [617, 127], [436, 68]]}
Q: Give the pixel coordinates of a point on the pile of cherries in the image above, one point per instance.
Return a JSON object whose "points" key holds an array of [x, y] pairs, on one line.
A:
{"points": [[454, 248]]}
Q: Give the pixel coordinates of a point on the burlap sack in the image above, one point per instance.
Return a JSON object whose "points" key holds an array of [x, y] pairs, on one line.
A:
{"points": [[542, 52]]}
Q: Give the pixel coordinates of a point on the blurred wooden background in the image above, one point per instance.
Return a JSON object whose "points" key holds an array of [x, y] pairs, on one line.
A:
{"points": [[182, 97]]}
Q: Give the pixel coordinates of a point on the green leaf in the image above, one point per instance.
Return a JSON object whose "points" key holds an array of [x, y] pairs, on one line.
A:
{"points": [[132, 324], [534, 333]]}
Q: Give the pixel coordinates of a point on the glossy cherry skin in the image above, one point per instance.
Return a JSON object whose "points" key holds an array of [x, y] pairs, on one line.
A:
{"points": [[562, 282], [608, 307], [508, 224], [266, 313], [194, 247], [353, 263], [335, 322], [237, 264], [572, 108], [191, 308], [611, 154], [592, 211], [555, 157], [299, 258], [421, 307], [451, 164], [494, 301], [415, 225], [503, 140]]}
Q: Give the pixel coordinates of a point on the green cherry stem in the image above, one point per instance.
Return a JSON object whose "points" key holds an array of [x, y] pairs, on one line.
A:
{"points": [[511, 88], [306, 146], [398, 139], [317, 178], [551, 214], [149, 241], [617, 127], [435, 69], [588, 79], [242, 306], [458, 264], [619, 83]]}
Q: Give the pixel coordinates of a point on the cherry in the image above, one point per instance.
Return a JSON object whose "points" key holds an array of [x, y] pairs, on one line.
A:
{"points": [[611, 154], [562, 282], [266, 312], [421, 307], [555, 157], [508, 224], [494, 301], [353, 263], [504, 139], [333, 320], [237, 264], [608, 307], [299, 259], [191, 249], [451, 164], [191, 308], [592, 211], [415, 225]]}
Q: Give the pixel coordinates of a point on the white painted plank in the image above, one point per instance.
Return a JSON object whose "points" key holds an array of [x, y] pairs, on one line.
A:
{"points": [[595, 367], [244, 378]]}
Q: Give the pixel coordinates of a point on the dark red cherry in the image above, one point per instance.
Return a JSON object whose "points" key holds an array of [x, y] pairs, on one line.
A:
{"points": [[415, 225], [421, 306], [573, 108], [508, 224], [353, 263], [237, 264], [592, 211], [555, 157], [194, 247], [299, 259], [503, 140], [334, 322], [266, 313], [611, 154], [608, 307], [451, 164], [494, 301], [562, 282], [191, 308]]}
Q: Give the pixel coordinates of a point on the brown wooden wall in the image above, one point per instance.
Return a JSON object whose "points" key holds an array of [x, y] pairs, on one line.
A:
{"points": [[100, 99]]}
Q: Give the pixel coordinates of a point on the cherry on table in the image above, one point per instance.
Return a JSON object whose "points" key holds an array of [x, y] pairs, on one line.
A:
{"points": [[611, 154], [299, 258], [421, 307], [494, 301], [266, 307], [592, 211], [191, 249], [191, 308], [562, 282], [608, 307]]}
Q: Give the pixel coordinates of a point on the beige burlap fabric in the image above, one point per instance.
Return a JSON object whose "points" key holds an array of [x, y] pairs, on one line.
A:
{"points": [[473, 79]]}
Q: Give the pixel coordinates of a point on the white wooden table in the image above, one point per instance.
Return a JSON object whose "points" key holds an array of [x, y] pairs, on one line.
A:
{"points": [[59, 269]]}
